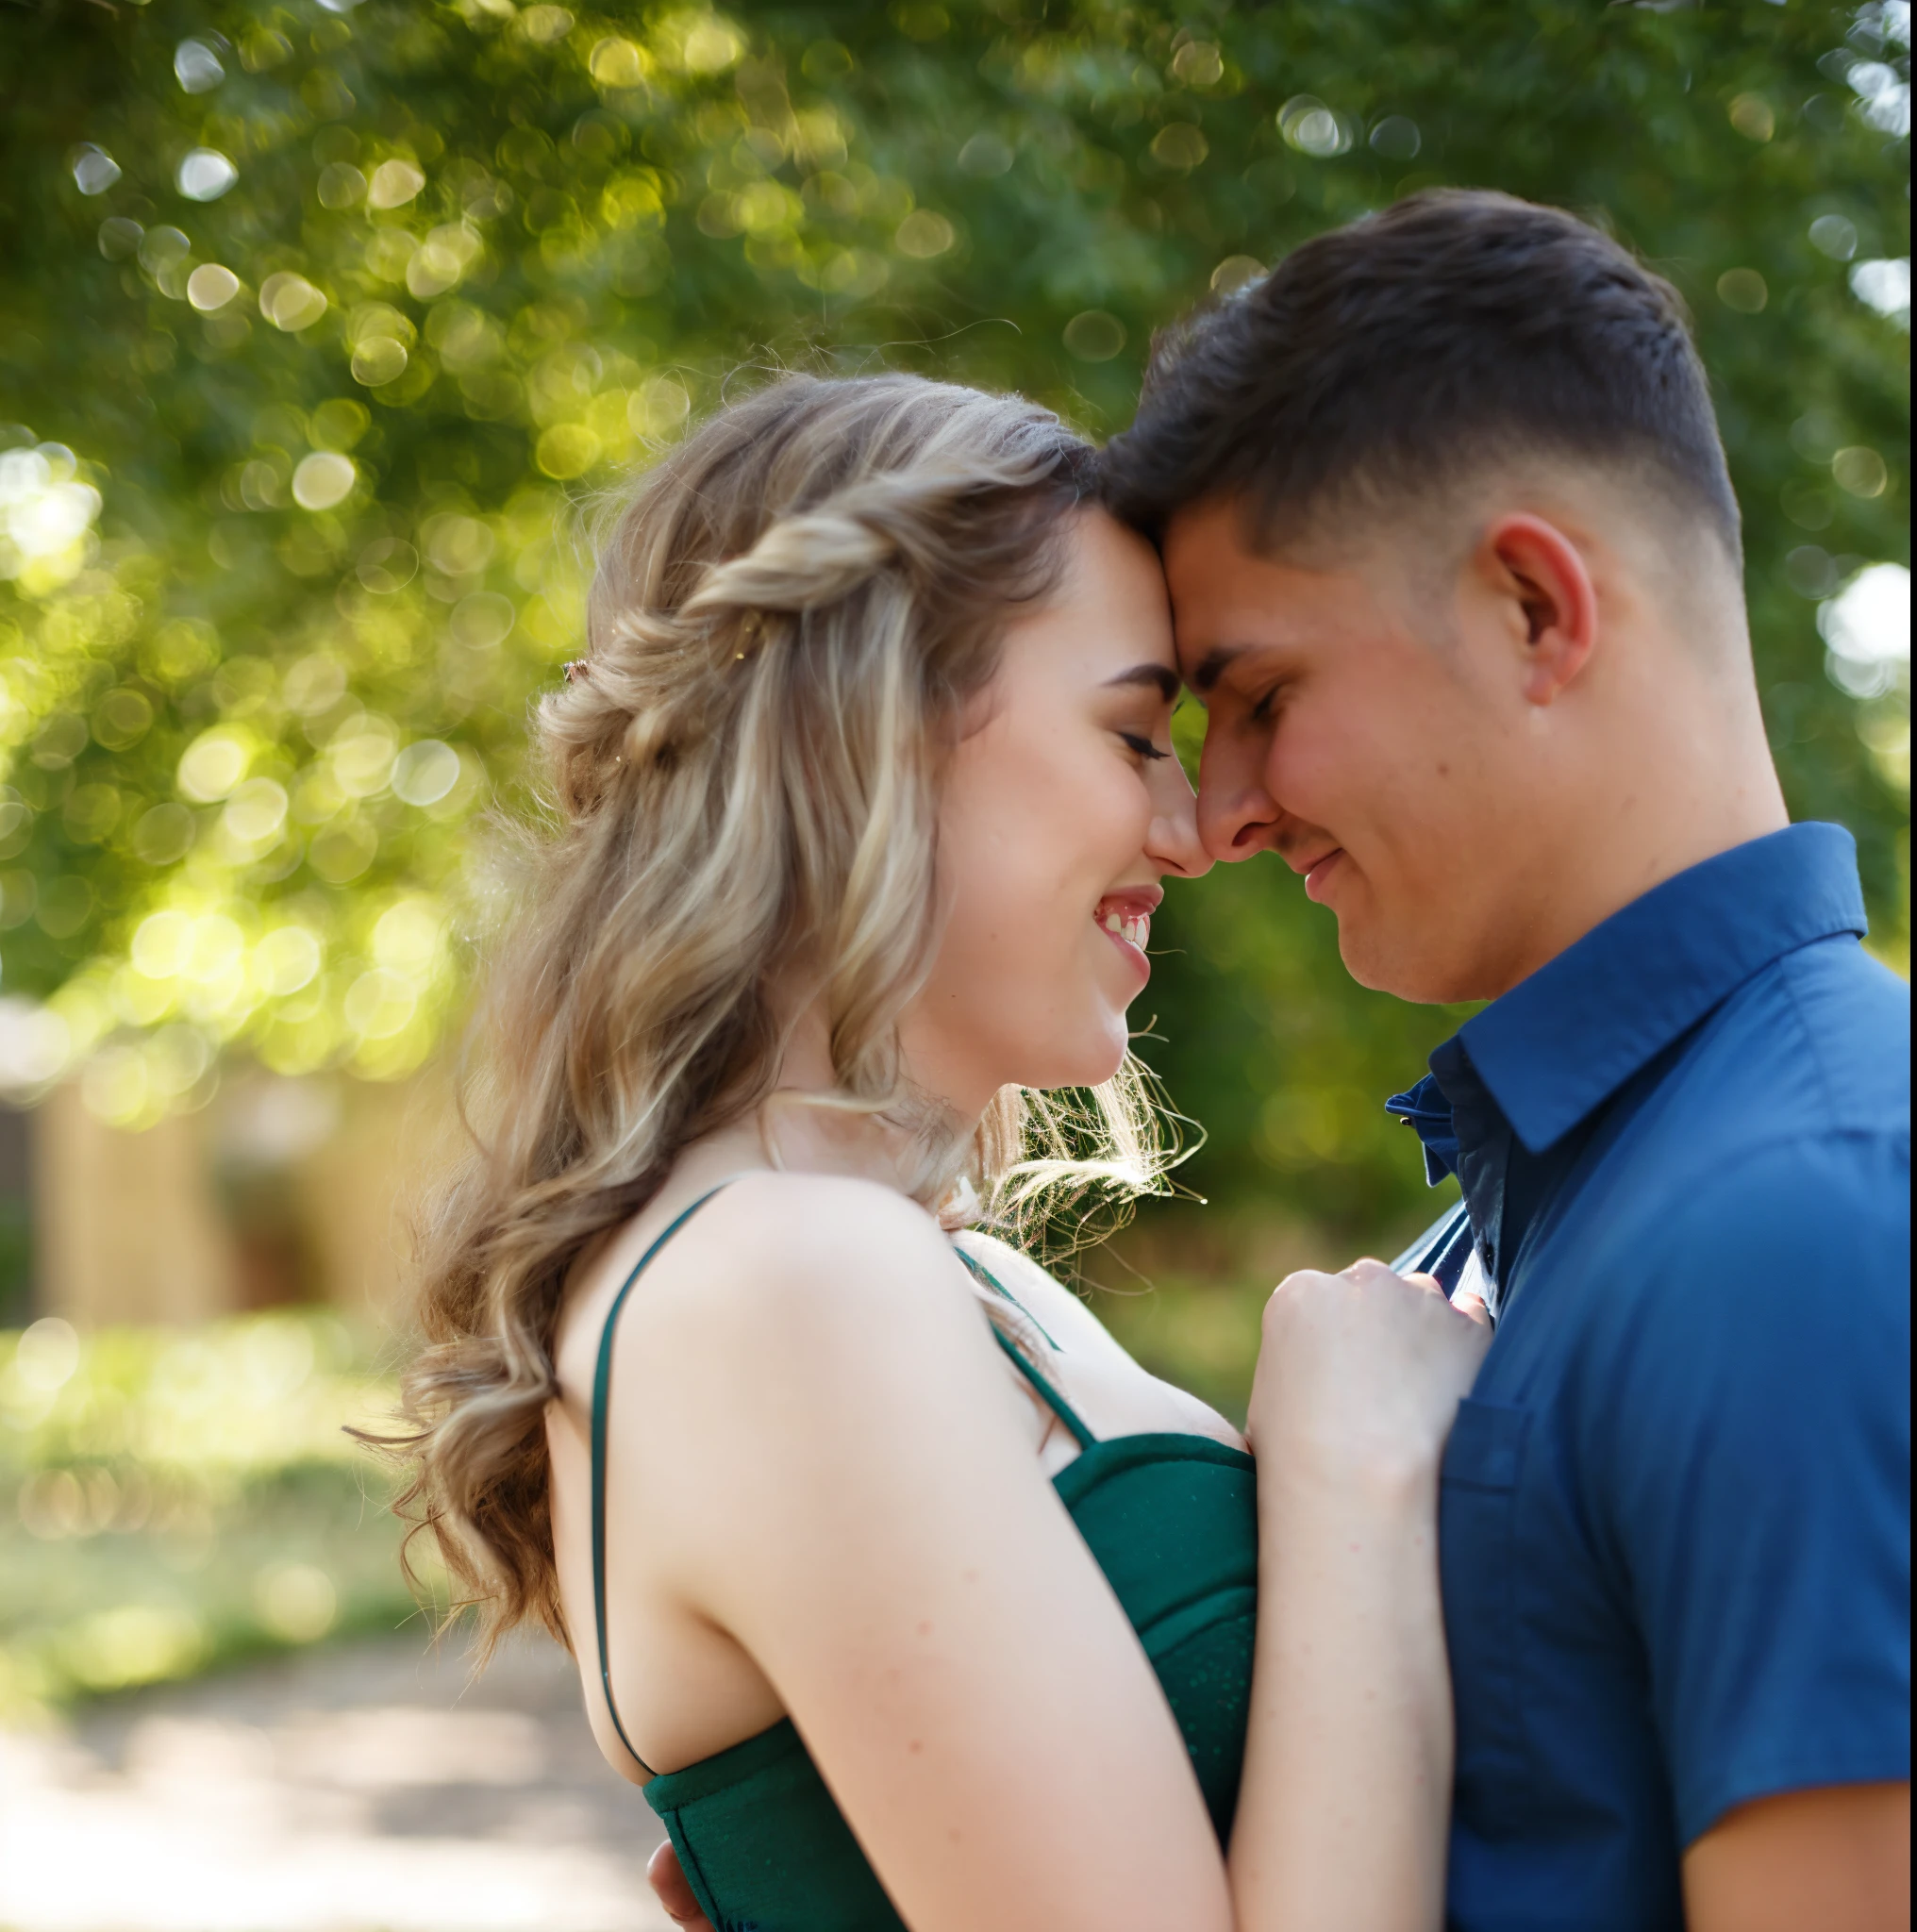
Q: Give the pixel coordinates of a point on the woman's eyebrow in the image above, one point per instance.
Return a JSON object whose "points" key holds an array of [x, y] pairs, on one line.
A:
{"points": [[1160, 676]]}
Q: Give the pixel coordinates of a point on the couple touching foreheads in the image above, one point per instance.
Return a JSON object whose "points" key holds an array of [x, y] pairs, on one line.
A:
{"points": [[1569, 1584]]}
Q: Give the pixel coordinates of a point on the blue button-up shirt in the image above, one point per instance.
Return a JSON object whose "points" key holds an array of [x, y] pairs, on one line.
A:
{"points": [[1675, 1513]]}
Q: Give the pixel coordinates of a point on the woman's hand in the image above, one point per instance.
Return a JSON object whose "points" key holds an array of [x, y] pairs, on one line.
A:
{"points": [[1359, 1378], [667, 1878]]}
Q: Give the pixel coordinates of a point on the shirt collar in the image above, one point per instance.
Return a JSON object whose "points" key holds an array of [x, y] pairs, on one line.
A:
{"points": [[1566, 1039]]}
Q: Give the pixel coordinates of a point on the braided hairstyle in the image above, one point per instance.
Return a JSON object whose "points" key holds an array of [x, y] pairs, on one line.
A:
{"points": [[787, 622]]}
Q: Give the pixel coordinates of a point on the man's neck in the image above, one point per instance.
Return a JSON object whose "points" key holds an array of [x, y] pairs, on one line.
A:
{"points": [[1639, 841]]}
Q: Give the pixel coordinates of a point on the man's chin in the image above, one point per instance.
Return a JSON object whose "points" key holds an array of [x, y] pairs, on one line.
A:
{"points": [[1403, 968]]}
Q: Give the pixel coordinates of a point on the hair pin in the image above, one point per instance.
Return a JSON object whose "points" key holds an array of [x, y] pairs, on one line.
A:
{"points": [[575, 670]]}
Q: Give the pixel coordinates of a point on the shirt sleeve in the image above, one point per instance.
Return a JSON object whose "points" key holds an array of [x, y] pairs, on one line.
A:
{"points": [[1758, 1493]]}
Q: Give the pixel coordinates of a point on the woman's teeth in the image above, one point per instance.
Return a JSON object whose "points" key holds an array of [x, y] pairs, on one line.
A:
{"points": [[1135, 929]]}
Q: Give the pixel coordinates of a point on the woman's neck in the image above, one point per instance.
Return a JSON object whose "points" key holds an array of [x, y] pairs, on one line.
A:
{"points": [[805, 1126]]}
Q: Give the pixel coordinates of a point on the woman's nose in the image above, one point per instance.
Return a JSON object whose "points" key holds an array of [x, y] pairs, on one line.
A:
{"points": [[1173, 842]]}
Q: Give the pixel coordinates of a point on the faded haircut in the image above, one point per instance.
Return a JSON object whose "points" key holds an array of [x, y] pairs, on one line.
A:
{"points": [[1411, 350]]}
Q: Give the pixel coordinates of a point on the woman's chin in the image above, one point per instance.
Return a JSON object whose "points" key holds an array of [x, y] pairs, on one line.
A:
{"points": [[1088, 1064]]}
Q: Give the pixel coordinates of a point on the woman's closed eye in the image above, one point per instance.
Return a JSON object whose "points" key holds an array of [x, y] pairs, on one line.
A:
{"points": [[1135, 742]]}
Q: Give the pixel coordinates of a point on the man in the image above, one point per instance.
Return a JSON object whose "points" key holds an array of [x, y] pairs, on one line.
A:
{"points": [[1456, 565]]}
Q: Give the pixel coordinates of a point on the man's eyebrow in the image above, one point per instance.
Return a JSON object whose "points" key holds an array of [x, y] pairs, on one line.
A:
{"points": [[1214, 663], [1161, 676]]}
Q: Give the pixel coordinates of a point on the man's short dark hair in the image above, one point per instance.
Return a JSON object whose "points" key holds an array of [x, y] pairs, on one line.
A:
{"points": [[1395, 355]]}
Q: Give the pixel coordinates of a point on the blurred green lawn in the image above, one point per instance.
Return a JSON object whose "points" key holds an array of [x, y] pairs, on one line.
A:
{"points": [[170, 1501]]}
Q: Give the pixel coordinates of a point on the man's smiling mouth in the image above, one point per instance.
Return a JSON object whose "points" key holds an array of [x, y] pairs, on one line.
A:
{"points": [[1320, 871]]}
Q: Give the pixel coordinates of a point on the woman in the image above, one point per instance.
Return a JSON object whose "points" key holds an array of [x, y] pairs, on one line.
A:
{"points": [[908, 1596]]}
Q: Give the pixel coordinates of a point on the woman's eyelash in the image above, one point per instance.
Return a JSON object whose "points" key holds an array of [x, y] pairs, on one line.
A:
{"points": [[1261, 711], [1143, 746]]}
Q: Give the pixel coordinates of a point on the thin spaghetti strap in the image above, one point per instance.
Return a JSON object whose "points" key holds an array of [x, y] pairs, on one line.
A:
{"points": [[602, 1385], [980, 1273], [1052, 1399]]}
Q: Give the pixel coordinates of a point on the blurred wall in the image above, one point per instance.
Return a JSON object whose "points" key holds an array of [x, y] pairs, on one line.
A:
{"points": [[278, 1192]]}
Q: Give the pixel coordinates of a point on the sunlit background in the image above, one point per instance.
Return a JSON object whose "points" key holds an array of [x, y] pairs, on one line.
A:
{"points": [[324, 327]]}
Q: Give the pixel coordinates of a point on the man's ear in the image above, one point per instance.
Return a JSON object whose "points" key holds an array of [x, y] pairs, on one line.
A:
{"points": [[1531, 563]]}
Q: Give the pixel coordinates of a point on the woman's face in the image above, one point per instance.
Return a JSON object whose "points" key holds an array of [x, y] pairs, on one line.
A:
{"points": [[1063, 807]]}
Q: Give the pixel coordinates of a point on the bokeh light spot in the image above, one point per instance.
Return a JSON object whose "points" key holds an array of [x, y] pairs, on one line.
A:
{"points": [[567, 450], [1753, 117], [210, 287], [1198, 63], [205, 174], [617, 63], [1867, 630], [255, 812], [424, 773], [120, 238], [289, 302], [296, 1602], [197, 67], [545, 24], [1885, 286], [1234, 273], [287, 960], [1180, 147], [387, 564], [1743, 288], [1094, 336], [923, 234], [1834, 235], [95, 168], [986, 155], [457, 546], [47, 1353], [393, 184], [324, 479], [340, 185], [1860, 472], [482, 621], [339, 423], [1312, 127], [1397, 138], [163, 834], [213, 764], [378, 361]]}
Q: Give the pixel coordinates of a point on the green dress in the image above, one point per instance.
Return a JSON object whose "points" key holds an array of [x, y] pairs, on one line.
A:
{"points": [[1172, 1520]]}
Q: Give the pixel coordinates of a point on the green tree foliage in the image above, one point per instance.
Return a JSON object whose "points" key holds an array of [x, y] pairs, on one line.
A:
{"points": [[320, 320]]}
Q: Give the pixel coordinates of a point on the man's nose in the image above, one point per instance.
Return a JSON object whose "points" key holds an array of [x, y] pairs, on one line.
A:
{"points": [[1237, 814]]}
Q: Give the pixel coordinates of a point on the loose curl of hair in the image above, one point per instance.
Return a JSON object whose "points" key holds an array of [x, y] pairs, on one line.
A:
{"points": [[787, 623]]}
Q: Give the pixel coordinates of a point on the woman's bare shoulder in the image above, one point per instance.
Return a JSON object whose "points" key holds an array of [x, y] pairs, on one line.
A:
{"points": [[776, 1274]]}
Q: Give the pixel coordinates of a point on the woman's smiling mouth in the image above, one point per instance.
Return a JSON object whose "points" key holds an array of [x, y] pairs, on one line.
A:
{"points": [[1125, 920]]}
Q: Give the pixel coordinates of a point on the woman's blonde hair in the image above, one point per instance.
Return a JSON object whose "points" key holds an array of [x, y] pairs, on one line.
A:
{"points": [[786, 624]]}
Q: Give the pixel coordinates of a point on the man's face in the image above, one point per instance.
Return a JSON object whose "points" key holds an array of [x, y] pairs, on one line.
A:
{"points": [[1348, 733]]}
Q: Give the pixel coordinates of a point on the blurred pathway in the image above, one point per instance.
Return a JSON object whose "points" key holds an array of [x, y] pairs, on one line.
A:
{"points": [[361, 1788]]}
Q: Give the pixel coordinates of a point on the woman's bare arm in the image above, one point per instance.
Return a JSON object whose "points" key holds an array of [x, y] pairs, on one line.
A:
{"points": [[816, 1440], [1344, 1813]]}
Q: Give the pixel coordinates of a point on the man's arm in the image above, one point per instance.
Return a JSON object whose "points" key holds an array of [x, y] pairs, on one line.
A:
{"points": [[1755, 1489], [1837, 1859]]}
